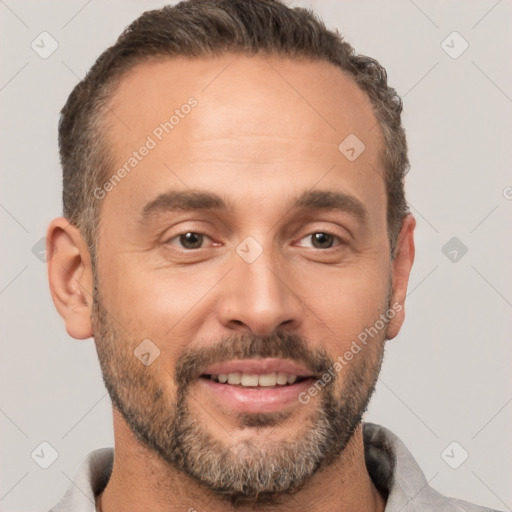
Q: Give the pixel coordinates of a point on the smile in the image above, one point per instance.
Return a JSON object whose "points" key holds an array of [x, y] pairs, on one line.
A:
{"points": [[254, 380], [255, 385]]}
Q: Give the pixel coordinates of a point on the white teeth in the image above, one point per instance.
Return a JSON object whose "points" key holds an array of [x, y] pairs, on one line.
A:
{"points": [[253, 380], [282, 378], [249, 379], [234, 378], [267, 380]]}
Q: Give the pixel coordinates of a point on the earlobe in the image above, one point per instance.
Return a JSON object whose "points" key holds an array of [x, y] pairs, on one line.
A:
{"points": [[70, 276], [401, 269]]}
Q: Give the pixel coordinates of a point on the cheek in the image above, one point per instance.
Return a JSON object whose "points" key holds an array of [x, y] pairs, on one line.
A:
{"points": [[164, 305], [346, 300]]}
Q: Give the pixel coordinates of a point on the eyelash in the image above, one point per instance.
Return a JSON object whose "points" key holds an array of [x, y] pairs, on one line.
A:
{"points": [[324, 232]]}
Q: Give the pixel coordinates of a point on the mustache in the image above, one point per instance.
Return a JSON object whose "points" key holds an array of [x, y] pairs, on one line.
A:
{"points": [[191, 364]]}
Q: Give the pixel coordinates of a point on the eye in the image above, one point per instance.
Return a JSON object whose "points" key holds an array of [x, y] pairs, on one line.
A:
{"points": [[189, 240], [322, 240]]}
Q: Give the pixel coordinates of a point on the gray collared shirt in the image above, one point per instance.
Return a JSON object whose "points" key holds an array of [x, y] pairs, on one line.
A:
{"points": [[391, 466]]}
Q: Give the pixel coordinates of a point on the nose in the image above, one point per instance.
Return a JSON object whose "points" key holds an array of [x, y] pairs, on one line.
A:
{"points": [[259, 297]]}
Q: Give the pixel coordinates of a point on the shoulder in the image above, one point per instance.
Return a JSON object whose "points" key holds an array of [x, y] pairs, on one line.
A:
{"points": [[88, 481], [396, 474]]}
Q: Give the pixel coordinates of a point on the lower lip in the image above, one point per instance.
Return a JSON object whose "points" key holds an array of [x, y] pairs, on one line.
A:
{"points": [[257, 399]]}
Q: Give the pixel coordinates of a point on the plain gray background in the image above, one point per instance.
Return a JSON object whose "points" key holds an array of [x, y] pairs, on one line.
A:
{"points": [[446, 377]]}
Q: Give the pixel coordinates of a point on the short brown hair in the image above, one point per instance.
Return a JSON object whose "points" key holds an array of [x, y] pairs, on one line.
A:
{"points": [[198, 28]]}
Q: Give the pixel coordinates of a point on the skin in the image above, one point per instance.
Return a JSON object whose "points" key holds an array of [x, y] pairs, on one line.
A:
{"points": [[265, 130]]}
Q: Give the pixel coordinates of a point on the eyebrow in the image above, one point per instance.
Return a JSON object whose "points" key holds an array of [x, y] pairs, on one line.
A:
{"points": [[182, 200], [329, 200], [196, 200]]}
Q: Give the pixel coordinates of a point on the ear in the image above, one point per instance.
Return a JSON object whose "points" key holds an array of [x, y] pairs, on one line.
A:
{"points": [[70, 276], [401, 269]]}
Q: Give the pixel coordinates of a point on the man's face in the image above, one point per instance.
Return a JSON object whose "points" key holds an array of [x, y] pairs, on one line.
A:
{"points": [[268, 279]]}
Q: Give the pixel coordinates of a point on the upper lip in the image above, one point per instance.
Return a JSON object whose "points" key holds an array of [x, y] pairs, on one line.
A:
{"points": [[258, 367]]}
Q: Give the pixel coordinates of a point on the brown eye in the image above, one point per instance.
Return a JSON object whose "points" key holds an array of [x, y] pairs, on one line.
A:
{"points": [[191, 240], [322, 240], [188, 240]]}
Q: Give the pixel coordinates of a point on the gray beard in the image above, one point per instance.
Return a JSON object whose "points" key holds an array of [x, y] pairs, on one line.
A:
{"points": [[245, 473]]}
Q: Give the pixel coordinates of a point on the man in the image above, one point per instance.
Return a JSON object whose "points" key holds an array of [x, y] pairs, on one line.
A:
{"points": [[236, 239]]}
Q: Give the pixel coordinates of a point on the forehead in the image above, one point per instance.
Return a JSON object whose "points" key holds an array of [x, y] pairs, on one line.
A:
{"points": [[275, 118], [242, 96]]}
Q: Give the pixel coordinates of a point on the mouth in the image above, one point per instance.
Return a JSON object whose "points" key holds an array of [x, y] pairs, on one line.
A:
{"points": [[255, 385], [253, 380]]}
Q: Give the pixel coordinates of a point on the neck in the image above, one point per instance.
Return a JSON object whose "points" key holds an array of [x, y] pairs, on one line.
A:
{"points": [[141, 480]]}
